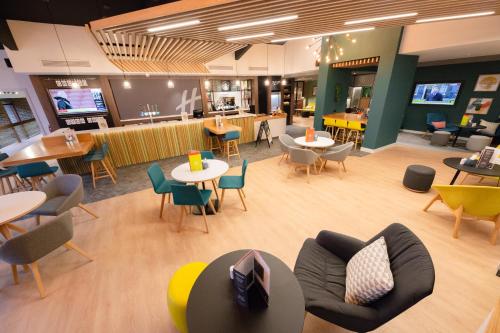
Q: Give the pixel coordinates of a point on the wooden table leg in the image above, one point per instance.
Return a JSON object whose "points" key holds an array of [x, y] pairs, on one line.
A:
{"points": [[215, 189]]}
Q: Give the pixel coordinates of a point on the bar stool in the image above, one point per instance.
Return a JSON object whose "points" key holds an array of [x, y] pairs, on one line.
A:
{"points": [[99, 166], [341, 125], [230, 142], [36, 172], [330, 125], [356, 130], [8, 174], [210, 137]]}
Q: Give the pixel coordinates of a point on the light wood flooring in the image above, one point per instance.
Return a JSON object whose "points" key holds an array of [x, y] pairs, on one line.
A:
{"points": [[124, 289]]}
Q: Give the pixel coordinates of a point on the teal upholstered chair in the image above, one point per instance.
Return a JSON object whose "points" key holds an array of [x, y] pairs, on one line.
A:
{"points": [[211, 137], [8, 174], [99, 166], [161, 185], [190, 195], [230, 142], [36, 171], [234, 183], [207, 154]]}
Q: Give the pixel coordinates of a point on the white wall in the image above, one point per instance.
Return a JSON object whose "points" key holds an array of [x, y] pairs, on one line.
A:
{"points": [[298, 59], [11, 81]]}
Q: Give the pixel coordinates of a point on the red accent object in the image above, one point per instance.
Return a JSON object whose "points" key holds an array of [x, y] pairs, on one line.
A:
{"points": [[439, 124]]}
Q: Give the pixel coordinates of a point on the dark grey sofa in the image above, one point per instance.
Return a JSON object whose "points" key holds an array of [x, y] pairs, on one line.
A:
{"points": [[321, 271]]}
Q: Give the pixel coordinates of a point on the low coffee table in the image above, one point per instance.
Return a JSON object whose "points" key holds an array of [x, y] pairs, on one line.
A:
{"points": [[454, 162], [212, 307]]}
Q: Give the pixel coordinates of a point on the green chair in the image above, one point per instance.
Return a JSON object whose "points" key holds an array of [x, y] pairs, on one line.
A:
{"points": [[211, 137], [190, 195], [36, 171], [7, 174], [235, 183], [99, 166], [161, 185], [207, 154], [230, 144]]}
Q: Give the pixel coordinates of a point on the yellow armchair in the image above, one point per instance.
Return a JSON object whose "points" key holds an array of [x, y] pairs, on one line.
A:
{"points": [[482, 202]]}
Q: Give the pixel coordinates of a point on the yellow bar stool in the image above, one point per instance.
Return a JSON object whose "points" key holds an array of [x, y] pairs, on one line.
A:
{"points": [[178, 292], [330, 125], [356, 131], [341, 125]]}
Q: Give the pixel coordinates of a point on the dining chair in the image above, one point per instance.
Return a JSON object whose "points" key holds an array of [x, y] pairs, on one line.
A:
{"points": [[34, 173], [99, 165], [230, 142], [235, 183], [161, 185], [341, 125], [286, 142], [337, 154], [303, 158], [190, 195], [28, 248], [207, 154], [210, 140], [8, 174], [356, 131], [482, 202], [63, 193], [323, 134]]}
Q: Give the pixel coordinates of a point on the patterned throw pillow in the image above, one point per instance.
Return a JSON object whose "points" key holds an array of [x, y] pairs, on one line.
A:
{"points": [[439, 124], [490, 129], [368, 274]]}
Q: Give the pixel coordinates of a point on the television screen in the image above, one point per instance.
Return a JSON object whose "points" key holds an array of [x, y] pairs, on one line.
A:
{"points": [[77, 101], [435, 93]]}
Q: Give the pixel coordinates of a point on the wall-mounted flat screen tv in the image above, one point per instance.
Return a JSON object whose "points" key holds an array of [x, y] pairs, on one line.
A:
{"points": [[436, 93], [78, 101]]}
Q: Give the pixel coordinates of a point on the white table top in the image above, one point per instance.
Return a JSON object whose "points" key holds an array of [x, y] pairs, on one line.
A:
{"points": [[216, 168], [320, 143], [16, 205]]}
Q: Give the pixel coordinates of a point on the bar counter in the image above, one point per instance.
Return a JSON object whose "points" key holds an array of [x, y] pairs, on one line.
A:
{"points": [[144, 143]]}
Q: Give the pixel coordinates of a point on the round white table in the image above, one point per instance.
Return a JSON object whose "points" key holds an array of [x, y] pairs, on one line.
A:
{"points": [[321, 142], [16, 205], [216, 168]]}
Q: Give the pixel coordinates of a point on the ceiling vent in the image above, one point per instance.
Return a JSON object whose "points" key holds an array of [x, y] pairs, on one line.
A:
{"points": [[220, 67], [62, 63], [256, 68]]}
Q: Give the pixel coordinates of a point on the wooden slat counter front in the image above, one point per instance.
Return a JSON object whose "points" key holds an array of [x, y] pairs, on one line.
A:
{"points": [[150, 142], [346, 116]]}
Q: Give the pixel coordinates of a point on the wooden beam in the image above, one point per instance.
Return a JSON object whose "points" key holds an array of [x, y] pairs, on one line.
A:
{"points": [[239, 53], [6, 37]]}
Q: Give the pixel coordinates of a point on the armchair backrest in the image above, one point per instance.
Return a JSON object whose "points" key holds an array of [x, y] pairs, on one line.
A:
{"points": [[156, 175], [302, 156], [324, 134], [435, 117], [339, 153], [476, 200], [244, 170], [35, 244], [206, 154]]}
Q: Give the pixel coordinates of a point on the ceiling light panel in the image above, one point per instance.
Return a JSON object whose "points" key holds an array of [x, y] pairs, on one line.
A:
{"points": [[261, 22], [381, 18], [174, 26], [454, 17]]}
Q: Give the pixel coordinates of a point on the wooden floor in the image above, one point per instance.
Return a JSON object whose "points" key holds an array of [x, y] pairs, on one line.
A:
{"points": [[124, 289]]}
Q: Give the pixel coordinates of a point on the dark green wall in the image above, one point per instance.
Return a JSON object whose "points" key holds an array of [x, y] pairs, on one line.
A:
{"points": [[415, 115], [308, 91]]}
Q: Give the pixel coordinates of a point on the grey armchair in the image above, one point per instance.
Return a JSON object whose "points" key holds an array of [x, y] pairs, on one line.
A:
{"points": [[324, 134], [337, 154], [286, 142], [321, 271], [303, 158], [63, 193], [29, 247]]}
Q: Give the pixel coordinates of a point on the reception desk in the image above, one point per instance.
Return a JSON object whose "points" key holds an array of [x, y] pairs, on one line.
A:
{"points": [[145, 143]]}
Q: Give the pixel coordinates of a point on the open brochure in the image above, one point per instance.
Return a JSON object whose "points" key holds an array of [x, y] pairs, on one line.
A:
{"points": [[489, 157], [252, 279]]}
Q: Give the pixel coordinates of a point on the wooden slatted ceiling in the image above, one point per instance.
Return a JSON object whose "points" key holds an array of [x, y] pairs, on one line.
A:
{"points": [[315, 17]]}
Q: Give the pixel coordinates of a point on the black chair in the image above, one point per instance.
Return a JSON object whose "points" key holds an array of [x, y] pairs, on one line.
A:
{"points": [[321, 272]]}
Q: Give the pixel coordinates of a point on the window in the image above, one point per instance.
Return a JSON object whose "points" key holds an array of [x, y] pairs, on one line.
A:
{"points": [[17, 122]]}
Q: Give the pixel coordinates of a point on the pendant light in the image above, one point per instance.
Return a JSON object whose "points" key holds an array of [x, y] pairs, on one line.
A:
{"points": [[283, 79], [266, 81], [207, 83], [170, 83], [237, 82], [126, 83]]}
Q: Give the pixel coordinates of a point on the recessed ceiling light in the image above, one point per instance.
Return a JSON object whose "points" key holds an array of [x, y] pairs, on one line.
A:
{"points": [[262, 22], [321, 35], [174, 26], [454, 17], [250, 36], [381, 18]]}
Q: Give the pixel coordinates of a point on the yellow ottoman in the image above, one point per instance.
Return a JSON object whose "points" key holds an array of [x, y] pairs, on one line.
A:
{"points": [[178, 292]]}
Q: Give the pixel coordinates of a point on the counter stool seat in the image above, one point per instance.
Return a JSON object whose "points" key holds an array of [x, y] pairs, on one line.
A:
{"points": [[230, 142], [178, 292], [99, 166], [440, 138], [419, 178]]}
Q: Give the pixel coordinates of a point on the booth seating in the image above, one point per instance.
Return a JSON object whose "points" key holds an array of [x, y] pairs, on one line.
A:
{"points": [[477, 142], [440, 138], [419, 178]]}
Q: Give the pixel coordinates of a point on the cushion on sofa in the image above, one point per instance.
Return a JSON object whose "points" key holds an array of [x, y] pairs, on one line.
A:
{"points": [[439, 124], [490, 129]]}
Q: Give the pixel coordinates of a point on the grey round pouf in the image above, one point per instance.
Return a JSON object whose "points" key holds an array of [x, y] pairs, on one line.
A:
{"points": [[440, 138], [419, 178], [477, 142]]}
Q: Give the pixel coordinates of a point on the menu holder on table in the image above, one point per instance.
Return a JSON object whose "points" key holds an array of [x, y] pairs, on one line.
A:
{"points": [[252, 280], [310, 134], [195, 162], [486, 158]]}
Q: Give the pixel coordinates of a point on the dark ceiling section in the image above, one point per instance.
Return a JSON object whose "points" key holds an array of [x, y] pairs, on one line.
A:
{"points": [[69, 12]]}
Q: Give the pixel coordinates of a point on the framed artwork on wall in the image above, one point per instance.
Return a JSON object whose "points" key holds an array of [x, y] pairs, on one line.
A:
{"points": [[479, 105], [487, 82]]}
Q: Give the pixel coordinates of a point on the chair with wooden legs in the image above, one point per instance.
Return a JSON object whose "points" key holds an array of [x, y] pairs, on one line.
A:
{"points": [[341, 132], [29, 247], [234, 183], [210, 140], [323, 134], [336, 154], [286, 142], [230, 144], [8, 177], [330, 126], [482, 202], [356, 131], [190, 195], [35, 173], [303, 158], [161, 185], [100, 165]]}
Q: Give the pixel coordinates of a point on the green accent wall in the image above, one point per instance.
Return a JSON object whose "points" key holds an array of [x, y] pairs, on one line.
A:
{"points": [[393, 82], [415, 115], [308, 92]]}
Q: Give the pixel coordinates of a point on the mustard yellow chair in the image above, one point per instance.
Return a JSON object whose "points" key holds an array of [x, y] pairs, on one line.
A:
{"points": [[178, 292], [341, 125], [482, 202], [329, 125], [356, 131]]}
